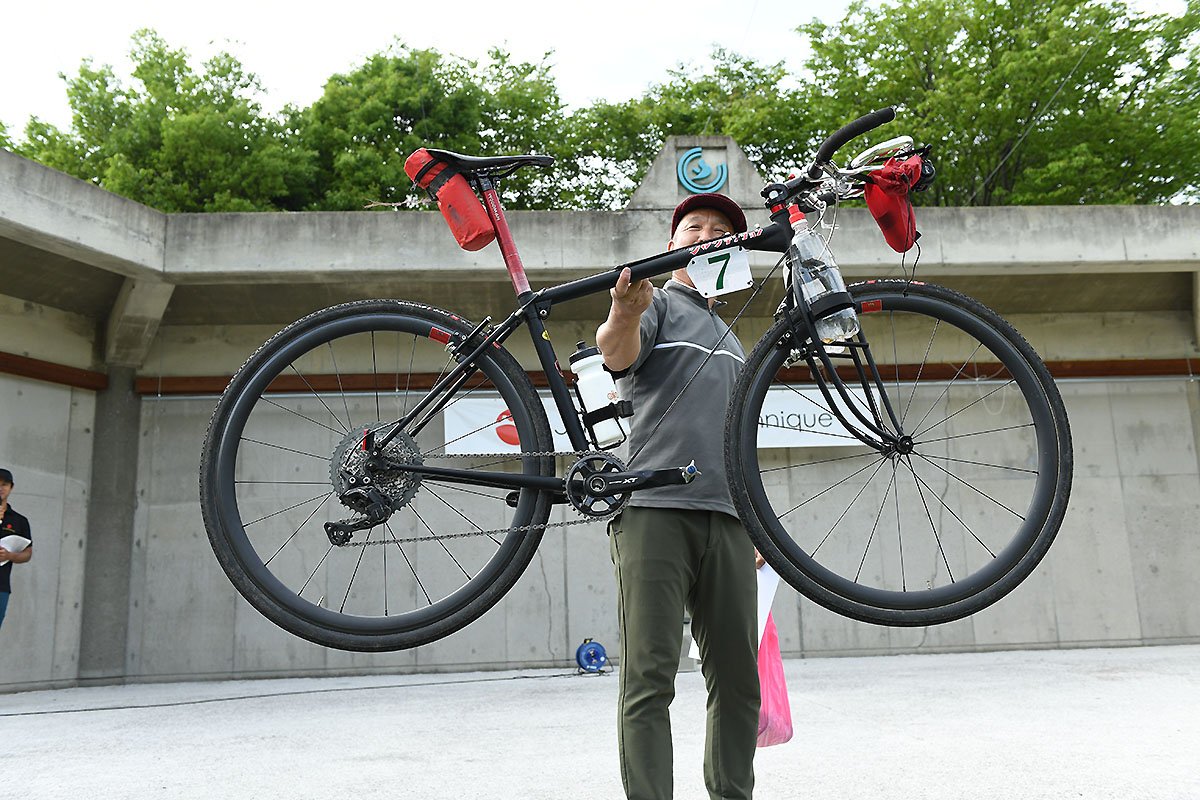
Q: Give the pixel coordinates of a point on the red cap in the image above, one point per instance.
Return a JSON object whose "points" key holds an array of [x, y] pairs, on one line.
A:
{"points": [[717, 202]]}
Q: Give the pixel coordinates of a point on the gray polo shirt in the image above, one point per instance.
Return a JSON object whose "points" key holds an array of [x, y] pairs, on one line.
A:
{"points": [[678, 332]]}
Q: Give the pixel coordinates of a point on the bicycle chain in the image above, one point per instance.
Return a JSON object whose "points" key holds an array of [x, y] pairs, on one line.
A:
{"points": [[495, 531]]}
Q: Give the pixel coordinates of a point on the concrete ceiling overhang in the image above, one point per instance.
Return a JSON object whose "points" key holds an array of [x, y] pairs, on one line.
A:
{"points": [[67, 244]]}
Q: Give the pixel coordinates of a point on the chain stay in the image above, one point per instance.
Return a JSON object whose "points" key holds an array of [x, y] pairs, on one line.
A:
{"points": [[494, 531]]}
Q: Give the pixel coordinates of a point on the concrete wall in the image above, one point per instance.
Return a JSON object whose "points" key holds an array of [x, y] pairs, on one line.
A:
{"points": [[1118, 574], [46, 440]]}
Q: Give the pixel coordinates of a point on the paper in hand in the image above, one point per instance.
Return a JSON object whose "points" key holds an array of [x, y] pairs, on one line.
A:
{"points": [[13, 544]]}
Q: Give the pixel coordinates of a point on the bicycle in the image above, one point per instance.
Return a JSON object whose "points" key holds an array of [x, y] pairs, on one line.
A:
{"points": [[935, 392]]}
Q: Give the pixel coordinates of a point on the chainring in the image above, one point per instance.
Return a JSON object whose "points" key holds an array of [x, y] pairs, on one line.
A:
{"points": [[577, 479]]}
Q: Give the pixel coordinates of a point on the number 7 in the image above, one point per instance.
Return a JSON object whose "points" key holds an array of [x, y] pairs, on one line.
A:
{"points": [[723, 257]]}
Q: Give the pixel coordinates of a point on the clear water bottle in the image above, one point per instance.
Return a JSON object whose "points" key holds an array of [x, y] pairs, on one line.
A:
{"points": [[817, 273]]}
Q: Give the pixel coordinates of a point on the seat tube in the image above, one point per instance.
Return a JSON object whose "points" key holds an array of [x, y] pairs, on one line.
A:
{"points": [[508, 248]]}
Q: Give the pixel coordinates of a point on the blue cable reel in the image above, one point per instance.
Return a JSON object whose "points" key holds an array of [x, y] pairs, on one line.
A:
{"points": [[590, 657]]}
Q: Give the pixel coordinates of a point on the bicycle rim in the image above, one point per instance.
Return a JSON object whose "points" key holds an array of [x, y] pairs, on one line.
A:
{"points": [[269, 482], [917, 537]]}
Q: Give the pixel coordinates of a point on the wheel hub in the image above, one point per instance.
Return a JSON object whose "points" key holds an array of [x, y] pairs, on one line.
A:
{"points": [[353, 472]]}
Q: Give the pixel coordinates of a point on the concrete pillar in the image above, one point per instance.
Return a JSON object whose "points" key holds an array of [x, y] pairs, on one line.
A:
{"points": [[1196, 307], [134, 321], [105, 617]]}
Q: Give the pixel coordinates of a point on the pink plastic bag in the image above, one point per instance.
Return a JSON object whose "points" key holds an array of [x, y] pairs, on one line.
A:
{"points": [[775, 713]]}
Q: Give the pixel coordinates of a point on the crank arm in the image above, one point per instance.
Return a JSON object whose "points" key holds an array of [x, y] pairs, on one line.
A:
{"points": [[613, 483]]}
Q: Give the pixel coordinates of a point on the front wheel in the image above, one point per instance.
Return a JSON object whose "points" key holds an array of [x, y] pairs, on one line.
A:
{"points": [[285, 446], [941, 506]]}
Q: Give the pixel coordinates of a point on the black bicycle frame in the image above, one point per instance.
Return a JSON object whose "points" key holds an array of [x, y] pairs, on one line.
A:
{"points": [[535, 306]]}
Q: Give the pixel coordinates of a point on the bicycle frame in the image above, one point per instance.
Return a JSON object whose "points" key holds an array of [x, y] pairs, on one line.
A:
{"points": [[535, 306]]}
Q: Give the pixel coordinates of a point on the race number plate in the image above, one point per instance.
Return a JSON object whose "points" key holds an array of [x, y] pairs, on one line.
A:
{"points": [[721, 272]]}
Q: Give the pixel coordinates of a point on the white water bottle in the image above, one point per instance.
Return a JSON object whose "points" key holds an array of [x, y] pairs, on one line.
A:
{"points": [[817, 273], [597, 390]]}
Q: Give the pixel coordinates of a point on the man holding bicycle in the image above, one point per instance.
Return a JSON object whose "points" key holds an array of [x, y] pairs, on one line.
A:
{"points": [[678, 548]]}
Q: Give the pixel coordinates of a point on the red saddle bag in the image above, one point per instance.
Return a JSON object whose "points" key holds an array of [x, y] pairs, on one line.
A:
{"points": [[887, 198], [466, 216]]}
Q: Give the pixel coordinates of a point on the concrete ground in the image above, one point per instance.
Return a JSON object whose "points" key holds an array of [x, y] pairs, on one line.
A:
{"points": [[1121, 723]]}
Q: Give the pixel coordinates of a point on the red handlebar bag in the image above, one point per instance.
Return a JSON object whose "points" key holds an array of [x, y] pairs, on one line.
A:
{"points": [[887, 198], [466, 216]]}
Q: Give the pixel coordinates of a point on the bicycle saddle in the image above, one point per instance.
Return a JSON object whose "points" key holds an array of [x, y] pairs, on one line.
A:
{"points": [[495, 165]]}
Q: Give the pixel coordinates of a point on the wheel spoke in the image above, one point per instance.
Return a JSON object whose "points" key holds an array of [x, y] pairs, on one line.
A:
{"points": [[984, 464], [289, 508], [316, 569], [964, 408], [320, 399], [972, 488], [302, 416], [468, 520], [341, 390], [438, 539], [829, 488], [298, 528], [821, 461], [938, 497], [875, 527], [920, 371], [362, 551], [946, 389], [932, 525], [878, 467], [416, 577], [975, 433], [288, 449]]}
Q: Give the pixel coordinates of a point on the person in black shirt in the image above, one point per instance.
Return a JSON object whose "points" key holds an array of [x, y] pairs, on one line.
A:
{"points": [[11, 524]]}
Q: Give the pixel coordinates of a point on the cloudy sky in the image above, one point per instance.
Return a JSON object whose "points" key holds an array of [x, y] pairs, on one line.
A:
{"points": [[611, 49]]}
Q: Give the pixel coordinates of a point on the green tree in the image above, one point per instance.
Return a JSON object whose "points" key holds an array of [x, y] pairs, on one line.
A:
{"points": [[5, 141], [368, 121], [176, 140], [731, 95], [522, 113], [1026, 102]]}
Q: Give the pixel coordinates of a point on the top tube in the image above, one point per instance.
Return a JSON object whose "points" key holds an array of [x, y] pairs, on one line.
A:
{"points": [[773, 238]]}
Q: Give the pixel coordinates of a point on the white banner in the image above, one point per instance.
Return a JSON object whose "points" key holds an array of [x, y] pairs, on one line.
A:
{"points": [[790, 417]]}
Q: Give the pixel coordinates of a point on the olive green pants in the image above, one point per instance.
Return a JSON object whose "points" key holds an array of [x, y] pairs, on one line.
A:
{"points": [[668, 561]]}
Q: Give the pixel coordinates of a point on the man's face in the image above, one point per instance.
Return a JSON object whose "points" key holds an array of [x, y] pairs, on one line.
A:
{"points": [[700, 225], [5, 490]]}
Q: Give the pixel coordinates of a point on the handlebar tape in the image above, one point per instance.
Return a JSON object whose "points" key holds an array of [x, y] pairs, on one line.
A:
{"points": [[856, 128]]}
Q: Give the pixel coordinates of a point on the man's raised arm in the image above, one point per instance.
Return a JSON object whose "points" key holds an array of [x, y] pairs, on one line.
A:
{"points": [[618, 337]]}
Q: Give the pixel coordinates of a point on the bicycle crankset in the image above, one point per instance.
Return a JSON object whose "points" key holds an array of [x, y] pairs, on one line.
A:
{"points": [[367, 484], [587, 485]]}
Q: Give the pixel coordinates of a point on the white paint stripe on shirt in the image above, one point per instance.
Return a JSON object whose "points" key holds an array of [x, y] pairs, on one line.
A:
{"points": [[701, 348]]}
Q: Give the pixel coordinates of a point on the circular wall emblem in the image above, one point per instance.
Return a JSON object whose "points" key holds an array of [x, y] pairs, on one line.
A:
{"points": [[697, 176]]}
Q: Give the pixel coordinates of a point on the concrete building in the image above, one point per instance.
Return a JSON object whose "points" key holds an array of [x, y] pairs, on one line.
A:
{"points": [[122, 325]]}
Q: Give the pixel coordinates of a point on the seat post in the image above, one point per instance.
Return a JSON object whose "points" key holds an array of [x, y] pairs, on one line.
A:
{"points": [[508, 248]]}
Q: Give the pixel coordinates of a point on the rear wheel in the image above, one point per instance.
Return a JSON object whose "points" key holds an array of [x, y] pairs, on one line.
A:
{"points": [[948, 505], [285, 443]]}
